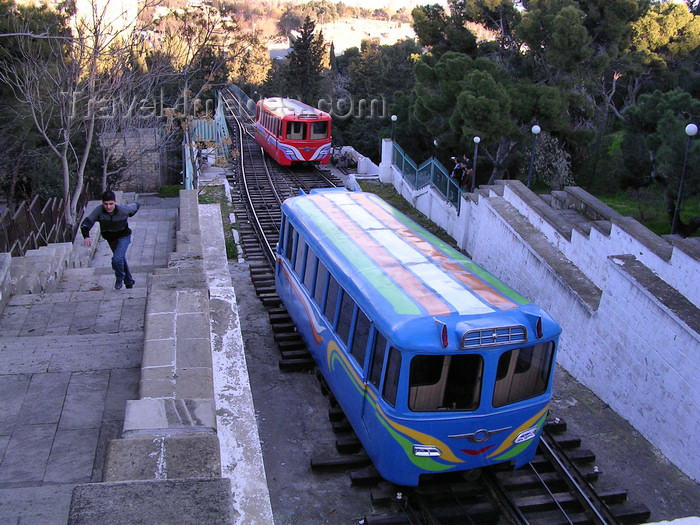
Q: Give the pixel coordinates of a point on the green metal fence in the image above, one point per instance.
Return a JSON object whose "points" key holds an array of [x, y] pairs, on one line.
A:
{"points": [[245, 101], [429, 172]]}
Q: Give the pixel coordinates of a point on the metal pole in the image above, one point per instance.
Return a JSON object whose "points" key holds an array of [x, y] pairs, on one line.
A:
{"points": [[476, 152], [535, 131], [691, 130]]}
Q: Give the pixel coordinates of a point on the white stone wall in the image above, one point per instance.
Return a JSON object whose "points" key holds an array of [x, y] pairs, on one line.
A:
{"points": [[590, 253], [630, 350], [645, 365]]}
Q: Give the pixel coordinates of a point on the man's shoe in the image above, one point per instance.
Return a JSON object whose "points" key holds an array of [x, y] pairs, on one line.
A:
{"points": [[118, 285], [129, 285]]}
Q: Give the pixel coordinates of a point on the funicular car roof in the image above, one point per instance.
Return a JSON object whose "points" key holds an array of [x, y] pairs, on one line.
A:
{"points": [[401, 275], [289, 108]]}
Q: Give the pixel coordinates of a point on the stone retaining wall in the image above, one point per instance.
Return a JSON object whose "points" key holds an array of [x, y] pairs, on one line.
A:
{"points": [[191, 324], [626, 299]]}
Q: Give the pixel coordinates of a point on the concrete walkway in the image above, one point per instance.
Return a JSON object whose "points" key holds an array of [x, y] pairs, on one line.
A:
{"points": [[69, 361]]}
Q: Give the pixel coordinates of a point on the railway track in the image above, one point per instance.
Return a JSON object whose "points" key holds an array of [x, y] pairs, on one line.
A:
{"points": [[555, 488], [259, 187]]}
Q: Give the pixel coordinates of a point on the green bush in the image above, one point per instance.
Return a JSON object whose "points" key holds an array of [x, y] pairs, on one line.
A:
{"points": [[170, 191]]}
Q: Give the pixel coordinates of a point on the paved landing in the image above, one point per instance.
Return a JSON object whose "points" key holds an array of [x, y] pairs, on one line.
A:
{"points": [[69, 361]]}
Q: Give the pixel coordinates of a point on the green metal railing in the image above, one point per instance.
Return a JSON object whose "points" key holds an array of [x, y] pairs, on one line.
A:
{"points": [[429, 172], [209, 131]]}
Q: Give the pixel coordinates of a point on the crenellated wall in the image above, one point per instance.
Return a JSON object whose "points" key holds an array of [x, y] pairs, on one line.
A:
{"points": [[626, 298]]}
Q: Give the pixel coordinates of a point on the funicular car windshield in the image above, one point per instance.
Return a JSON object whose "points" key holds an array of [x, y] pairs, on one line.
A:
{"points": [[445, 382], [454, 382], [319, 130], [523, 373]]}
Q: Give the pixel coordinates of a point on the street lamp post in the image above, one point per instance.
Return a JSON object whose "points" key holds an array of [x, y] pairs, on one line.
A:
{"points": [[690, 130], [477, 139], [535, 131], [393, 121]]}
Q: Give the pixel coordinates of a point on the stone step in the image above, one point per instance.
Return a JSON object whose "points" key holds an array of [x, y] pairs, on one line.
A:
{"points": [[156, 415], [103, 312], [189, 500], [70, 353], [98, 293]]}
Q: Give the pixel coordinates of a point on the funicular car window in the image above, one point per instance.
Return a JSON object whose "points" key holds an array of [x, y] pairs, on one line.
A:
{"points": [[347, 308], [320, 287], [522, 373], [289, 246], [296, 130], [391, 379], [445, 382], [299, 258], [378, 359], [310, 270], [319, 130], [331, 299], [360, 336]]}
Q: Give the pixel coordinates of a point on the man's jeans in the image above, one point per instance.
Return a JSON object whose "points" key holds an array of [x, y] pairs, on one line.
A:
{"points": [[119, 264]]}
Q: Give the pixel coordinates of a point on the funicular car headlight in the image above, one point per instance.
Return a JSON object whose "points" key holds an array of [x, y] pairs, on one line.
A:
{"points": [[526, 435], [426, 451]]}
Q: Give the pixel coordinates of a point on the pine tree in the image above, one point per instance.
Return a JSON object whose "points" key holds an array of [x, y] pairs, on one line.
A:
{"points": [[307, 63]]}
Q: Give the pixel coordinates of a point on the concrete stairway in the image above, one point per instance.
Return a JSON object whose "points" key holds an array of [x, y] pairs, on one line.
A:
{"points": [[70, 356]]}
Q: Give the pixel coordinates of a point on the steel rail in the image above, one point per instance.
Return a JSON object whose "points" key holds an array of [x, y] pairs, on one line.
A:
{"points": [[501, 497], [267, 248], [593, 505]]}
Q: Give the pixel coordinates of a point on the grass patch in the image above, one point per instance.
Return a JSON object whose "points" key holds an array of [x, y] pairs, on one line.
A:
{"points": [[648, 207], [215, 194], [169, 191], [389, 194]]}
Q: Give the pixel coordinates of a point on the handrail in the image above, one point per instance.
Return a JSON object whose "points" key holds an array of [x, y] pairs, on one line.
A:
{"points": [[430, 172]]}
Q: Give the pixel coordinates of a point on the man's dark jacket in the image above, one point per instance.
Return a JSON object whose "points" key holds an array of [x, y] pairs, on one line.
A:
{"points": [[112, 225]]}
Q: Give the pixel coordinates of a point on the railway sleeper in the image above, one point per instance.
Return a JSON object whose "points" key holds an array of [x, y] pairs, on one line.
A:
{"points": [[631, 513], [522, 479], [263, 280], [256, 255], [266, 290], [365, 477], [567, 442], [435, 490], [580, 456], [282, 317], [270, 301], [295, 365], [257, 270], [340, 427], [281, 327], [566, 500], [287, 336], [628, 514], [555, 425], [290, 346], [336, 414], [348, 444], [383, 494], [557, 518], [481, 513], [295, 354], [343, 462]]}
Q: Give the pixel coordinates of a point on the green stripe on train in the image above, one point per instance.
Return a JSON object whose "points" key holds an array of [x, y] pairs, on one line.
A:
{"points": [[402, 302], [462, 259]]}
